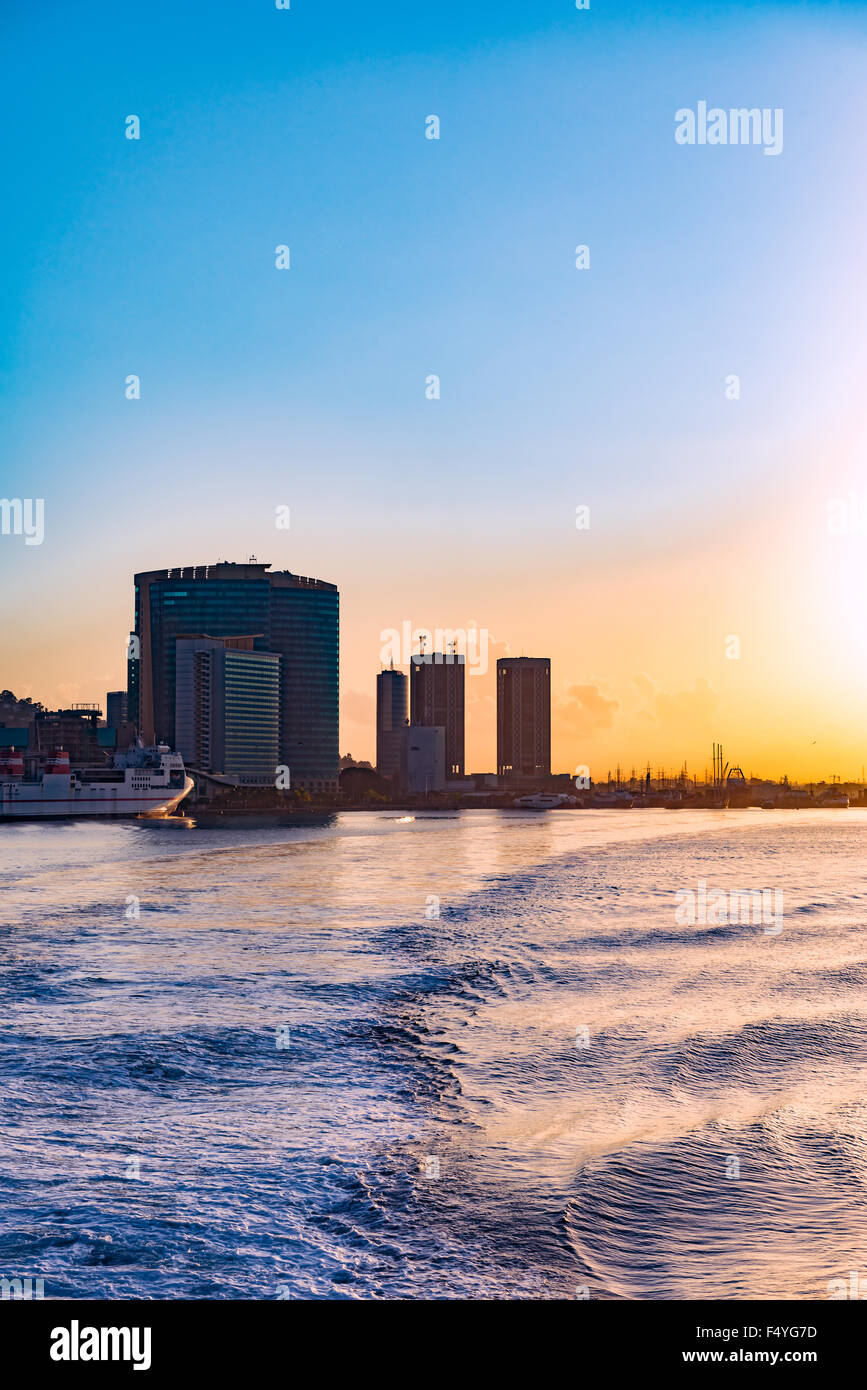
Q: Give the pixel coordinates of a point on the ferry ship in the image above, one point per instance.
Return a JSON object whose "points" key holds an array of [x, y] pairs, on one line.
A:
{"points": [[141, 782]]}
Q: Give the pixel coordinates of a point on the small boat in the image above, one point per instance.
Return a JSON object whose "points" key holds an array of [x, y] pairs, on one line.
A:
{"points": [[543, 801], [831, 801], [615, 801]]}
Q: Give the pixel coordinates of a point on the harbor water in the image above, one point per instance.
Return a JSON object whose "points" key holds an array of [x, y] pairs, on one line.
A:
{"points": [[472, 1055]]}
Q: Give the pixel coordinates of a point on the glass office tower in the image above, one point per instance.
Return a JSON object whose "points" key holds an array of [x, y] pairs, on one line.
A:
{"points": [[287, 614]]}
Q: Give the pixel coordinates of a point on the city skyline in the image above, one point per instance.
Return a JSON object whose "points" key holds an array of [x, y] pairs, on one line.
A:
{"points": [[487, 676]]}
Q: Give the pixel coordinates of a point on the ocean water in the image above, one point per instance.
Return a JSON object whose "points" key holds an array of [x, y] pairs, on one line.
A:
{"points": [[287, 1077]]}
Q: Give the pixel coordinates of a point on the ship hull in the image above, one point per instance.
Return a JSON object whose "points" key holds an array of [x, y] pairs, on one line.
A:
{"points": [[24, 802]]}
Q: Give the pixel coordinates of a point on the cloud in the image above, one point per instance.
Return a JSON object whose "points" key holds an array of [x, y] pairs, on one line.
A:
{"points": [[585, 710], [686, 708]]}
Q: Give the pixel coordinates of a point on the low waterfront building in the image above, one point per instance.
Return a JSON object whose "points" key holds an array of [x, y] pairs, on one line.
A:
{"points": [[423, 759], [74, 730]]}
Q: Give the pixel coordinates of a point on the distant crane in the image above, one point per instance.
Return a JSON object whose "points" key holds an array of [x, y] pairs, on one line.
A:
{"points": [[724, 775], [720, 768]]}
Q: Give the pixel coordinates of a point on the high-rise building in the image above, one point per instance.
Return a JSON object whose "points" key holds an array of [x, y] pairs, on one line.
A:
{"points": [[227, 707], [523, 717], [116, 704], [391, 718], [436, 699], [290, 616]]}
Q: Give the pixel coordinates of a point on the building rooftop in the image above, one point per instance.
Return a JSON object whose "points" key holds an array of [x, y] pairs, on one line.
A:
{"points": [[228, 569]]}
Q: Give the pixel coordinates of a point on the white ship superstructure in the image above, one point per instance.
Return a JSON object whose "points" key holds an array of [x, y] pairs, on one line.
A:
{"points": [[141, 782]]}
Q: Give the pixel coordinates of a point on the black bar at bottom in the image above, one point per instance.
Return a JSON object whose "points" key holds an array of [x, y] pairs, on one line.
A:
{"points": [[139, 1338]]}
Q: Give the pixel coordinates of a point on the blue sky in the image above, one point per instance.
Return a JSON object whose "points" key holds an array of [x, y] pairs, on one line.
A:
{"points": [[410, 256]]}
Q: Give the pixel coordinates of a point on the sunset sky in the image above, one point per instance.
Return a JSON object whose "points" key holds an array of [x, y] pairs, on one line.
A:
{"points": [[605, 387]]}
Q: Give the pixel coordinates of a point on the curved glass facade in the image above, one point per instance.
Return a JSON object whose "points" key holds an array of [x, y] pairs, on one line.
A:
{"points": [[290, 615]]}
